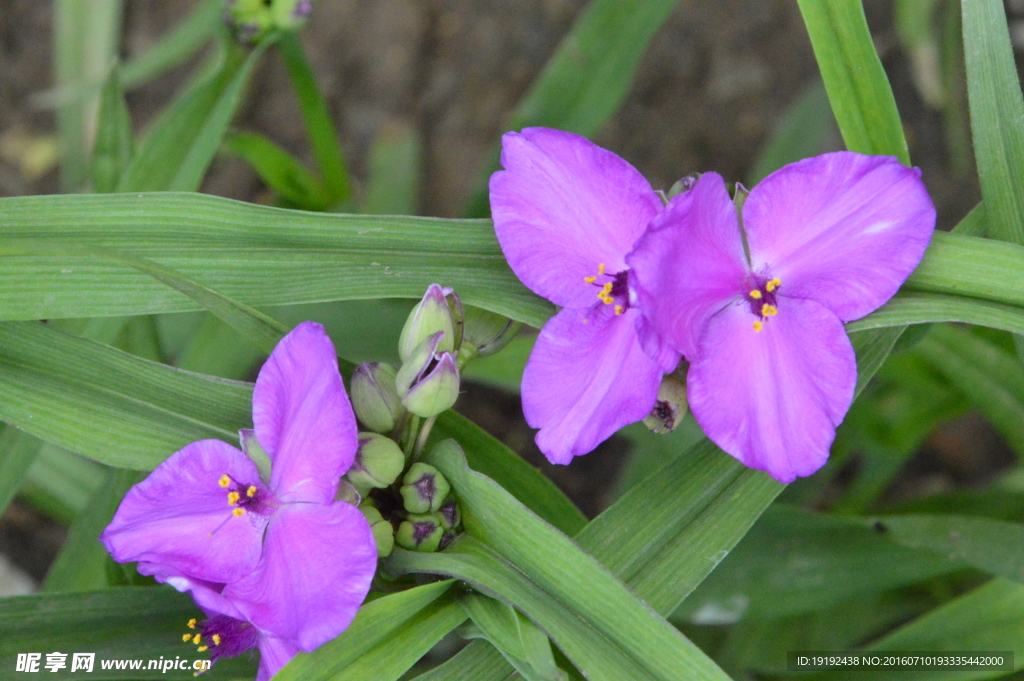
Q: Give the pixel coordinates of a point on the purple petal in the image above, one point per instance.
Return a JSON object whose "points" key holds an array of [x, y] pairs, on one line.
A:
{"points": [[180, 517], [773, 398], [843, 229], [587, 379], [318, 561], [207, 595], [563, 206], [274, 654], [303, 418], [690, 263]]}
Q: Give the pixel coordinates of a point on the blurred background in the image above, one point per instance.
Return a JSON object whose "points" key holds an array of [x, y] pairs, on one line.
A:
{"points": [[421, 90]]}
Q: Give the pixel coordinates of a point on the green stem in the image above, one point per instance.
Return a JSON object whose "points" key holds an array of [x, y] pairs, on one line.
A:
{"points": [[421, 441]]}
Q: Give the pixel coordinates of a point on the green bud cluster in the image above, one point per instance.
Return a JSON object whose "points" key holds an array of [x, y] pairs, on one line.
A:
{"points": [[254, 19]]}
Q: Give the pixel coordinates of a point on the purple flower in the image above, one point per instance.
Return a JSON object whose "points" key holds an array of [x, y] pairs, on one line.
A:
{"points": [[227, 636], [280, 554], [828, 240], [566, 213]]}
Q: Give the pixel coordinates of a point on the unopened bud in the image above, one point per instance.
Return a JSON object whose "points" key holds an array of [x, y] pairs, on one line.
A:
{"points": [[254, 19], [383, 531], [485, 333], [420, 533], [449, 513], [670, 407], [428, 317], [423, 489], [374, 399], [417, 364], [436, 391], [378, 463]]}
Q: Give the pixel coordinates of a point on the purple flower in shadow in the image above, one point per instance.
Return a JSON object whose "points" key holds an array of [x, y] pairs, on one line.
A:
{"points": [[280, 554], [566, 213], [828, 240]]}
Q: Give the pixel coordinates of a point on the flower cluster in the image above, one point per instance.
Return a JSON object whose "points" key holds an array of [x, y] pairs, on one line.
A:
{"points": [[271, 557], [752, 292]]}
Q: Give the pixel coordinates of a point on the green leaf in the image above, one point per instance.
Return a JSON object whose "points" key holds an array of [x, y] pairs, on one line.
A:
{"points": [[793, 562], [997, 109], [525, 647], [317, 117], [858, 89], [252, 254], [588, 77], [177, 45], [605, 630], [17, 453], [82, 564], [800, 134], [989, 618], [489, 456], [281, 171], [993, 546], [180, 144], [377, 623], [113, 146], [128, 412], [139, 623], [923, 308], [972, 267], [991, 378], [61, 483], [393, 185]]}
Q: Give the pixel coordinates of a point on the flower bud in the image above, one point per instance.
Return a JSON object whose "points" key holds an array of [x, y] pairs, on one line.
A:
{"points": [[670, 407], [423, 489], [449, 513], [428, 317], [437, 390], [417, 363], [420, 533], [383, 531], [378, 463], [374, 399], [485, 333], [252, 20]]}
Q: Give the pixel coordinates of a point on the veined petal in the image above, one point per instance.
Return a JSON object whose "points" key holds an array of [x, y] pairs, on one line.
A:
{"points": [[843, 229], [562, 207], [274, 654], [773, 398], [180, 516], [587, 379], [690, 263], [303, 418], [207, 595], [318, 561]]}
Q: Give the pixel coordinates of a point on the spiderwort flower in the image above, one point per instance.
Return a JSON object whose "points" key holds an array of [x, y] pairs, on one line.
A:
{"points": [[226, 636], [828, 240], [566, 213], [281, 554]]}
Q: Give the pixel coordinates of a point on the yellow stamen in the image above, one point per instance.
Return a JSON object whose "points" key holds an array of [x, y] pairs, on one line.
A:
{"points": [[233, 497], [192, 623], [224, 481], [238, 512], [618, 309], [758, 325], [251, 491], [772, 285], [216, 639], [590, 280], [768, 310], [600, 268], [197, 639], [607, 288], [186, 637], [755, 294], [202, 649]]}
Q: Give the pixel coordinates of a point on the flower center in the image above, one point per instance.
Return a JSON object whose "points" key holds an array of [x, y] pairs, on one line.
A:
{"points": [[762, 299], [613, 288], [245, 496], [223, 636]]}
